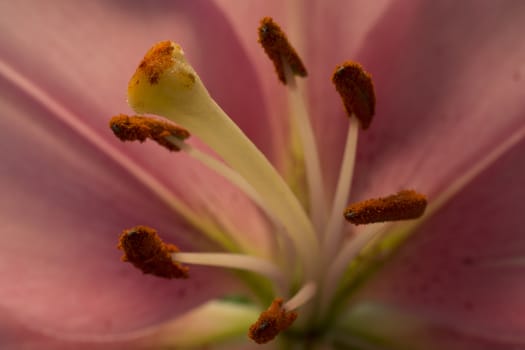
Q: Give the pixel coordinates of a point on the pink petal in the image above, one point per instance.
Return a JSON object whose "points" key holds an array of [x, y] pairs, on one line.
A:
{"points": [[449, 86], [17, 336], [84, 54], [63, 204], [333, 34], [464, 270]]}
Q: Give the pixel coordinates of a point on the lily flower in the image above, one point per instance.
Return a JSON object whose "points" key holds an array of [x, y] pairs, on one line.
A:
{"points": [[367, 196]]}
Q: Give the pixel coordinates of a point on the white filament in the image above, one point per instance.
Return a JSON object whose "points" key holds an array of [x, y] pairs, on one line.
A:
{"points": [[299, 111], [332, 233], [235, 261], [304, 294]]}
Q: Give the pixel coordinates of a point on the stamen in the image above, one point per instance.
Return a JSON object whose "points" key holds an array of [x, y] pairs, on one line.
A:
{"points": [[279, 49], [146, 251], [404, 205], [271, 322], [357, 91], [136, 128]]}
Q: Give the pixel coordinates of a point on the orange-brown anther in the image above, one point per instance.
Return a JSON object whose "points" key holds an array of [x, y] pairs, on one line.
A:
{"points": [[157, 60], [271, 322], [404, 205], [138, 128], [279, 49], [357, 91], [146, 251]]}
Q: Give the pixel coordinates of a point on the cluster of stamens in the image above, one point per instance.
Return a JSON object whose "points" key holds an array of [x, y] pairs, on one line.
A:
{"points": [[143, 248]]}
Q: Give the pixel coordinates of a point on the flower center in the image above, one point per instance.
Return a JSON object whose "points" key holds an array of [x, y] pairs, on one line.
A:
{"points": [[165, 84]]}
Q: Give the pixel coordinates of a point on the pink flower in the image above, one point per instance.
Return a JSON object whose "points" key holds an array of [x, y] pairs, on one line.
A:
{"points": [[449, 123]]}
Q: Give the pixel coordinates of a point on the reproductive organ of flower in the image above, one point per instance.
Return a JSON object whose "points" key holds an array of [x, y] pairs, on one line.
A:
{"points": [[316, 262]]}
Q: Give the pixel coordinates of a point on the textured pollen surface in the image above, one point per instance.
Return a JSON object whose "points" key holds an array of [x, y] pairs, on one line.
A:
{"points": [[271, 322], [156, 61], [279, 49], [404, 205], [146, 251], [356, 88], [137, 128]]}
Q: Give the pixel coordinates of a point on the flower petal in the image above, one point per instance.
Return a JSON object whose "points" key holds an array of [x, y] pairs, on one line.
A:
{"points": [[449, 85], [63, 205], [86, 69], [463, 270], [333, 34], [223, 324], [14, 335]]}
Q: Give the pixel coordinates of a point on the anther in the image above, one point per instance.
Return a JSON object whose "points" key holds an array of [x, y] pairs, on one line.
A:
{"points": [[279, 49], [146, 251], [271, 322], [406, 204], [356, 88], [136, 128]]}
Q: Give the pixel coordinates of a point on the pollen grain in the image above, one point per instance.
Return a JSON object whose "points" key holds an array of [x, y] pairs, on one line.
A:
{"points": [[405, 205], [137, 128], [143, 248], [356, 89], [157, 60], [279, 50], [271, 322]]}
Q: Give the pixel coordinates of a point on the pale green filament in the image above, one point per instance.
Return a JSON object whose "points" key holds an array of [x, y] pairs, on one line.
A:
{"points": [[333, 231], [299, 111], [237, 261], [304, 295]]}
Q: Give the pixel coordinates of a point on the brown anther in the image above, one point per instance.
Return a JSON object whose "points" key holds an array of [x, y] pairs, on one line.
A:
{"points": [[357, 91], [136, 128], [157, 60], [271, 322], [405, 205], [143, 248], [279, 49]]}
